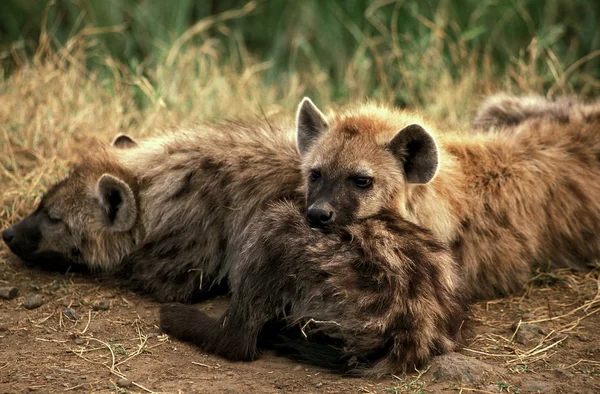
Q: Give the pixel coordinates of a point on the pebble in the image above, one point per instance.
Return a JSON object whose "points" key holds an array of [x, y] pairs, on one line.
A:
{"points": [[71, 314], [320, 384], [527, 333], [33, 301], [534, 386], [79, 341], [458, 368], [123, 383], [102, 305], [8, 293]]}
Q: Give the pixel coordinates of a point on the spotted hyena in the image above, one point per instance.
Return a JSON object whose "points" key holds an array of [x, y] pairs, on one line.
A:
{"points": [[376, 293], [504, 202]]}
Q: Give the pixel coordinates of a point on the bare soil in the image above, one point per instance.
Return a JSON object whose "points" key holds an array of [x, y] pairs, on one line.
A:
{"points": [[93, 336]]}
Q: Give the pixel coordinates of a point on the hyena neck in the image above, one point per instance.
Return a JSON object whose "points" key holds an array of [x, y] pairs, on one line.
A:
{"points": [[438, 205]]}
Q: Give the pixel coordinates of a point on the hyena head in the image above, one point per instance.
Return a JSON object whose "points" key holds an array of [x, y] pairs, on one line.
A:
{"points": [[87, 218], [354, 164]]}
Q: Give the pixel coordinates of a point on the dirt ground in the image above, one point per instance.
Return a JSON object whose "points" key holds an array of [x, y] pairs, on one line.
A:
{"points": [[92, 336]]}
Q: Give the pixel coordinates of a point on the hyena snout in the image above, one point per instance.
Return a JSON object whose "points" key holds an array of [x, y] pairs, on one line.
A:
{"points": [[8, 235], [320, 214]]}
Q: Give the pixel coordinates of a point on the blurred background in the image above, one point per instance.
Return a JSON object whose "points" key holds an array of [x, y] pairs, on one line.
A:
{"points": [[395, 50]]}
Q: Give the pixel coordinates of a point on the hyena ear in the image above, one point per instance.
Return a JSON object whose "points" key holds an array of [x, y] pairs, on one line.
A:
{"points": [[416, 149], [310, 124], [123, 141], [117, 203]]}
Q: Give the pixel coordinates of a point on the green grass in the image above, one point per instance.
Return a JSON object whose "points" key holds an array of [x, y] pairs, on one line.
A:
{"points": [[392, 50]]}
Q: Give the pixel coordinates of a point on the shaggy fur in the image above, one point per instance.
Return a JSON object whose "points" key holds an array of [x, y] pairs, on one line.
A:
{"points": [[377, 296], [165, 213], [504, 202]]}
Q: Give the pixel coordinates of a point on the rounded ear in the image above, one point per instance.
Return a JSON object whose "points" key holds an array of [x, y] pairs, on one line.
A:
{"points": [[310, 124], [416, 149], [117, 203], [123, 141]]}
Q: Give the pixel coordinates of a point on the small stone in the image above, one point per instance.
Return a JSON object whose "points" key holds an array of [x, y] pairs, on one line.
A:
{"points": [[582, 338], [320, 384], [123, 383], [33, 301], [71, 314], [102, 305], [458, 368], [297, 368], [536, 386], [79, 341], [526, 333], [229, 373], [562, 373], [8, 293]]}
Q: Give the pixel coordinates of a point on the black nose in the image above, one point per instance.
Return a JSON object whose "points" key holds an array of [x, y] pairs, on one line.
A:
{"points": [[320, 214], [8, 235]]}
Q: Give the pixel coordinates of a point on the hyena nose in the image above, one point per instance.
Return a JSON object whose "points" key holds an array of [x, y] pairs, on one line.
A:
{"points": [[319, 215], [8, 235]]}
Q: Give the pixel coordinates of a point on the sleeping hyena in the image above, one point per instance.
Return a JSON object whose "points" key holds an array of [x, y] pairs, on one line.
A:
{"points": [[165, 213]]}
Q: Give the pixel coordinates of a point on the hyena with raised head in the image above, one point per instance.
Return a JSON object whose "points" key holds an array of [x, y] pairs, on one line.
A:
{"points": [[165, 213], [376, 293], [504, 202]]}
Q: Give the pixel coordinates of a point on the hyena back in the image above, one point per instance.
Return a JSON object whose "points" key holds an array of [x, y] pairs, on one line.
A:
{"points": [[503, 110], [167, 212], [379, 295]]}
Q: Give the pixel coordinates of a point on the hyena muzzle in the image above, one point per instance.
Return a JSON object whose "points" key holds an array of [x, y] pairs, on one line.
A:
{"points": [[378, 295]]}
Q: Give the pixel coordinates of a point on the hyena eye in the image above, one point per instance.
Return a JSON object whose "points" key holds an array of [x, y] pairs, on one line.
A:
{"points": [[314, 175], [362, 181], [54, 219]]}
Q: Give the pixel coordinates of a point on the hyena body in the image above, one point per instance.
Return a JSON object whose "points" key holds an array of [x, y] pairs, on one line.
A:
{"points": [[504, 202], [165, 213], [380, 295]]}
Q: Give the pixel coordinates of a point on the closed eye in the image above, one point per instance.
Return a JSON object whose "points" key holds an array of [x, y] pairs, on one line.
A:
{"points": [[53, 219]]}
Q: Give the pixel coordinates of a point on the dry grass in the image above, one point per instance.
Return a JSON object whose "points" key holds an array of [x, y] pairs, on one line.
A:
{"points": [[557, 321]]}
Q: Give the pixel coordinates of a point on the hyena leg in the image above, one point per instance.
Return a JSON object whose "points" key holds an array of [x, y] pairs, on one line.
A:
{"points": [[263, 283], [503, 110], [233, 336]]}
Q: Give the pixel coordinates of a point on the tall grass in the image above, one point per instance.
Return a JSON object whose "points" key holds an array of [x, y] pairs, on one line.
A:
{"points": [[81, 70], [394, 47]]}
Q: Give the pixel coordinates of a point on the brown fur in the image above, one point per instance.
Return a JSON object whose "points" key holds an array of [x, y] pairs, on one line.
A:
{"points": [[505, 202], [378, 296]]}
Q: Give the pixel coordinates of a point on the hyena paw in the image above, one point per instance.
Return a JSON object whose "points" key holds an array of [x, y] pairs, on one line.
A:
{"points": [[184, 321]]}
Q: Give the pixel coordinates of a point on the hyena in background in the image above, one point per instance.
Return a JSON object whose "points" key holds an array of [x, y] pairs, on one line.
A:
{"points": [[166, 213], [379, 295], [504, 110], [504, 202]]}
